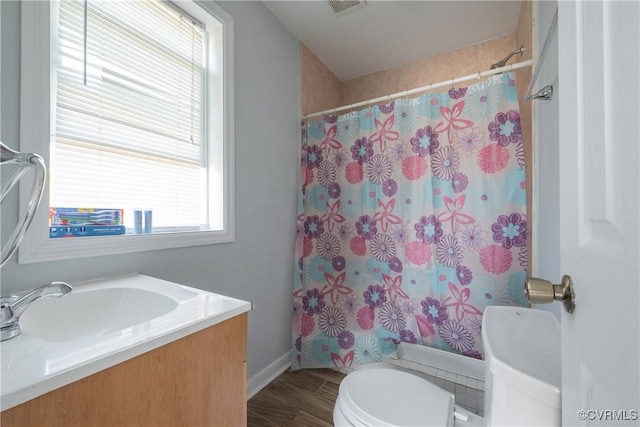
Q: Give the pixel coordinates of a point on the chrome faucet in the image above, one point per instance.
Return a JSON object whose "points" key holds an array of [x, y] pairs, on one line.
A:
{"points": [[12, 307]]}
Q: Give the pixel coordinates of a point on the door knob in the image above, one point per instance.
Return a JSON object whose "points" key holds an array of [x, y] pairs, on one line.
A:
{"points": [[540, 291]]}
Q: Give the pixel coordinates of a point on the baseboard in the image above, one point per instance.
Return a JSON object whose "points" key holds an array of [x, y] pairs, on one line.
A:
{"points": [[268, 374]]}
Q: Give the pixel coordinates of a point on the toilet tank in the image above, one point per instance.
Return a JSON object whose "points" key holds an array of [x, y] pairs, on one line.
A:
{"points": [[522, 367]]}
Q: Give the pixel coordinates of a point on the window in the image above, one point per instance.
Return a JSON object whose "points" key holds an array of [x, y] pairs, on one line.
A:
{"points": [[140, 112]]}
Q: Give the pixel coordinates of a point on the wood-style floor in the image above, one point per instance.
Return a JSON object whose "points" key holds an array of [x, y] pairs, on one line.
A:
{"points": [[302, 398]]}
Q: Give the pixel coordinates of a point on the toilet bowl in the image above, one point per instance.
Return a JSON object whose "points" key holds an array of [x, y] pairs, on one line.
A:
{"points": [[522, 381], [390, 397]]}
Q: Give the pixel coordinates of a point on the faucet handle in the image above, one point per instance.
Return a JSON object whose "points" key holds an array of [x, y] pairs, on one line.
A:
{"points": [[6, 313], [9, 325]]}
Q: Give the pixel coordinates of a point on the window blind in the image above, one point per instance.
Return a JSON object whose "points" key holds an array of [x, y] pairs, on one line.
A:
{"points": [[130, 108]]}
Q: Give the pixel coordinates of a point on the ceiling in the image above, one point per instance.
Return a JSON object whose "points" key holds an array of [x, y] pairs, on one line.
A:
{"points": [[384, 34]]}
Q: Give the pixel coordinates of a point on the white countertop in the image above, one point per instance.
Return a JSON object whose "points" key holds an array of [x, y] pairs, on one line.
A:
{"points": [[33, 366]]}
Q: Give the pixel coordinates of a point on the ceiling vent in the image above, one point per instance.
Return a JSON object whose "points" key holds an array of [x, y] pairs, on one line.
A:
{"points": [[342, 7]]}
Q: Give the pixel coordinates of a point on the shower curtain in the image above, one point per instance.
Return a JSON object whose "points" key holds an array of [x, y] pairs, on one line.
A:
{"points": [[411, 220]]}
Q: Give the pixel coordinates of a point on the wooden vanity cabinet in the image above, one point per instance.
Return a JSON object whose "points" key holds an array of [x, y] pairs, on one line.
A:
{"points": [[198, 380]]}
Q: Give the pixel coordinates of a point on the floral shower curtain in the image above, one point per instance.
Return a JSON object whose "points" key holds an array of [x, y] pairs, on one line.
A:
{"points": [[411, 220]]}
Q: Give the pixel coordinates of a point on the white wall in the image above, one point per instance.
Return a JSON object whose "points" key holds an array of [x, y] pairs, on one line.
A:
{"points": [[258, 266], [546, 164]]}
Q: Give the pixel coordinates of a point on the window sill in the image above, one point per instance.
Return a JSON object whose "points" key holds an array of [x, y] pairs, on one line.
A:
{"points": [[84, 247]]}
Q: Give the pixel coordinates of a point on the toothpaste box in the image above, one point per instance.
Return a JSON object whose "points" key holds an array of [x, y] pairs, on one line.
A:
{"points": [[85, 216], [85, 230]]}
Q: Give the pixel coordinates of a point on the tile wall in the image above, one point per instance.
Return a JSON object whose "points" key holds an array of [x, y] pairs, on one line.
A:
{"points": [[469, 392]]}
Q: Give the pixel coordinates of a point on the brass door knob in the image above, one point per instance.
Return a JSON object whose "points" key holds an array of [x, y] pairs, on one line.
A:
{"points": [[540, 291]]}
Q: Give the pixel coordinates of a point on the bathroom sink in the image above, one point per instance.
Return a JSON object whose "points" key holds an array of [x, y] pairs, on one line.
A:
{"points": [[100, 324], [93, 312]]}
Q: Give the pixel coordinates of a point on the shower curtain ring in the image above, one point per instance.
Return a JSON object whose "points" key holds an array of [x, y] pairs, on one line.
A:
{"points": [[478, 75], [452, 87]]}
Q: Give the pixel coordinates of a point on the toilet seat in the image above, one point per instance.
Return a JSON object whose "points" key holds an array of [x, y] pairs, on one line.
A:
{"points": [[389, 397]]}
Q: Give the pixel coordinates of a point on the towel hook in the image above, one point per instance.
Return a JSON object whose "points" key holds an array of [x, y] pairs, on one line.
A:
{"points": [[546, 93]]}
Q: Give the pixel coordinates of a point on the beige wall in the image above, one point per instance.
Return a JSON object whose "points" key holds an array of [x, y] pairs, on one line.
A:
{"points": [[432, 69], [321, 89]]}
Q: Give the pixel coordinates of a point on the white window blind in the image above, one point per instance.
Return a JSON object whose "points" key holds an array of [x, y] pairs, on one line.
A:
{"points": [[130, 112]]}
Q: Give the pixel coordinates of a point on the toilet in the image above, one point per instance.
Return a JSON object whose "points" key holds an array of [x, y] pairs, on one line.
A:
{"points": [[522, 381]]}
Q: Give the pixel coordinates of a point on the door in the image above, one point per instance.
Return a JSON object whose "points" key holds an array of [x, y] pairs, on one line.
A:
{"points": [[599, 187]]}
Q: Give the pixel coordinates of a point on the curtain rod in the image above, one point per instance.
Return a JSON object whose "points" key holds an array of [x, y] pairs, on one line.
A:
{"points": [[452, 82]]}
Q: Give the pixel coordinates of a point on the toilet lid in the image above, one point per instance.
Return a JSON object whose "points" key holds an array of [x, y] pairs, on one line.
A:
{"points": [[389, 397]]}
